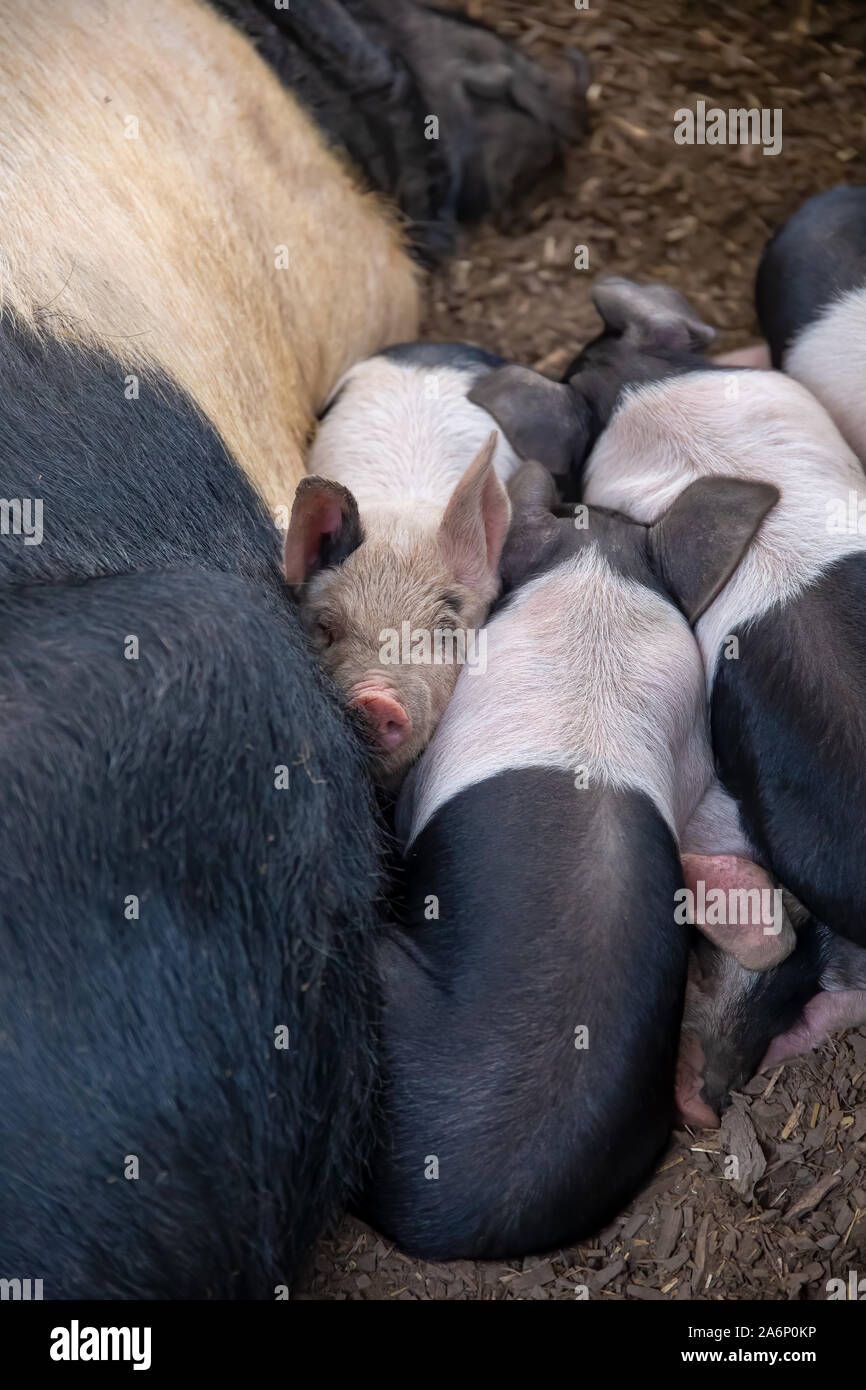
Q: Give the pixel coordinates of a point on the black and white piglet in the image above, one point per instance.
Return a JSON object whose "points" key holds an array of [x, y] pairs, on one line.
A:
{"points": [[784, 643], [532, 1003], [811, 301]]}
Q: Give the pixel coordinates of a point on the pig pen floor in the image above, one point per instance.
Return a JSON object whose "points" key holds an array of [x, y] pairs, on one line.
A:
{"points": [[696, 217]]}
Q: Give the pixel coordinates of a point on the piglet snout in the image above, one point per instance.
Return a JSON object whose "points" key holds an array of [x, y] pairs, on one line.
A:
{"points": [[692, 1108], [389, 723]]}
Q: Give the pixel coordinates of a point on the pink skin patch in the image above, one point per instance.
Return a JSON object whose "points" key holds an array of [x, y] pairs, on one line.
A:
{"points": [[719, 884], [826, 1013], [316, 513], [692, 1109], [327, 522], [389, 722], [755, 355]]}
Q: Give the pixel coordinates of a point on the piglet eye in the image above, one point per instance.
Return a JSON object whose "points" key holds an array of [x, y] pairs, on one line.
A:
{"points": [[450, 601], [327, 632]]}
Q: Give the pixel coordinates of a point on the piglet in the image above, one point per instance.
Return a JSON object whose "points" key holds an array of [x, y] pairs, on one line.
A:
{"points": [[532, 1001], [738, 1021], [811, 301], [394, 543], [783, 641], [742, 990]]}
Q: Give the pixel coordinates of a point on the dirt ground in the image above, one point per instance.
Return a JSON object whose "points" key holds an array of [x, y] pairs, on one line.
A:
{"points": [[696, 217]]}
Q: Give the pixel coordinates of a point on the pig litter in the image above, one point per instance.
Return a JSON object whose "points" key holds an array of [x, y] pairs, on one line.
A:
{"points": [[696, 218]]}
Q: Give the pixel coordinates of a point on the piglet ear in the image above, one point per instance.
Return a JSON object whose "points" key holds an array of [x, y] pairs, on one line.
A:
{"points": [[532, 492], [655, 318], [473, 529], [533, 525], [757, 944], [540, 418], [700, 540], [324, 529]]}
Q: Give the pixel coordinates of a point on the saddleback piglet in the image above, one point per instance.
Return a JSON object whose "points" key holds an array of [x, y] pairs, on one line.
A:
{"points": [[533, 999], [784, 643], [811, 302]]}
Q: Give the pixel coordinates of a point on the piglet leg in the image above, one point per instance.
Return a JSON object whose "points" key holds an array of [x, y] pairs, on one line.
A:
{"points": [[756, 943], [827, 1012]]}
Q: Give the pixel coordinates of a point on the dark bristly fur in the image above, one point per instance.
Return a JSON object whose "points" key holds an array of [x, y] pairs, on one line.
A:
{"points": [[372, 71], [789, 727], [538, 1142], [156, 778], [811, 261]]}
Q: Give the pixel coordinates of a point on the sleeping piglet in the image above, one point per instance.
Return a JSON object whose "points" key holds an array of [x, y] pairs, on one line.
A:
{"points": [[532, 1001], [395, 541], [644, 413], [738, 1021], [810, 295]]}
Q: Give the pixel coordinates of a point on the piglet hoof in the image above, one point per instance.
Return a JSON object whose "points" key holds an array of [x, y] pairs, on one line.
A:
{"points": [[734, 903]]}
